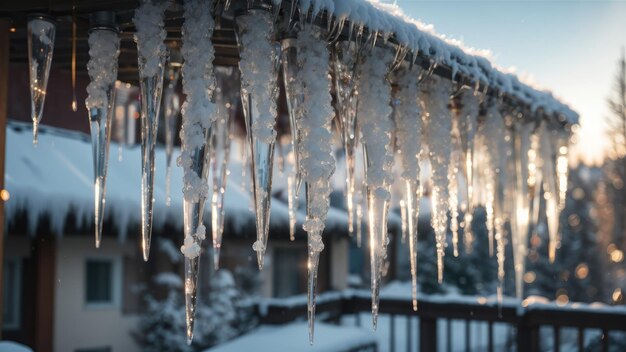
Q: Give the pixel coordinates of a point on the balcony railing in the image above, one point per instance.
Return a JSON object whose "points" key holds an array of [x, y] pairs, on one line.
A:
{"points": [[464, 323]]}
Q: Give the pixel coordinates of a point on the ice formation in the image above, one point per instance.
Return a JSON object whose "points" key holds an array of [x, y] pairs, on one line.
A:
{"points": [[374, 113], [226, 100], [466, 111], [437, 125], [519, 190], [104, 45], [499, 150], [293, 92], [259, 92], [408, 119], [151, 55], [41, 34], [171, 103], [317, 163], [198, 114], [344, 62], [550, 188]]}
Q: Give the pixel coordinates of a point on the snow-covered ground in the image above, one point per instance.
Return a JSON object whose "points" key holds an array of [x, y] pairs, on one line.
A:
{"points": [[293, 337]]}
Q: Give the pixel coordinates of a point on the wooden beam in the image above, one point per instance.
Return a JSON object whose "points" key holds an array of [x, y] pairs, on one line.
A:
{"points": [[4, 87]]}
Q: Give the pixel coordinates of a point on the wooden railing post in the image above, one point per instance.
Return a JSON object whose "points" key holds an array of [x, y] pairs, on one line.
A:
{"points": [[527, 335], [428, 334]]}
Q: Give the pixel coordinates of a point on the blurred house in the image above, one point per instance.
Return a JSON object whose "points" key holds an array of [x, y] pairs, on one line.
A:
{"points": [[63, 294]]}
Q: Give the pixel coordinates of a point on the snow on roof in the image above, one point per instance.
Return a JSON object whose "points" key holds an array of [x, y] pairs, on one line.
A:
{"points": [[388, 20], [56, 179], [290, 337]]}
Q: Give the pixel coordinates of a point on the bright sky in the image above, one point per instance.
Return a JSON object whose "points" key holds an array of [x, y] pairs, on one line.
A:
{"points": [[570, 47]]}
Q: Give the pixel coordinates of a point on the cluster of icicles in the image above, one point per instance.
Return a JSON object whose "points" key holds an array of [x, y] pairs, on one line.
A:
{"points": [[478, 151]]}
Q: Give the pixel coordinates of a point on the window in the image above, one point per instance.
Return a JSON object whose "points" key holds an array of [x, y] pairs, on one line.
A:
{"points": [[99, 282], [289, 268], [12, 292]]}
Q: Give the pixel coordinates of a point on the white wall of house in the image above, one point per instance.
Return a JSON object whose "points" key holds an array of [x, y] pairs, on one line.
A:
{"points": [[78, 325]]}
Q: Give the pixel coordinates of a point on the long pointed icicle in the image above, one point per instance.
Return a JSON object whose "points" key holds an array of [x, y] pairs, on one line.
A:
{"points": [[198, 114], [259, 93], [376, 127], [292, 197], [170, 116], [467, 116], [484, 179], [104, 45], [562, 167], [344, 66], [498, 150], [520, 214], [290, 70], [438, 123], [550, 189], [41, 34], [151, 52], [220, 155], [408, 118], [456, 164], [535, 177], [317, 163]]}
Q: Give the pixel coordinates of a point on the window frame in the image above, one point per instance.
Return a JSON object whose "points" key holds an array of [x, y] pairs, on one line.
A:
{"points": [[116, 282], [17, 291]]}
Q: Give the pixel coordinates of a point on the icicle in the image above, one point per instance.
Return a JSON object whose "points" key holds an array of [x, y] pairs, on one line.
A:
{"points": [[151, 57], [535, 176], [172, 109], [408, 118], [358, 198], [499, 150], [344, 63], [41, 33], [484, 187], [520, 213], [220, 153], [456, 164], [550, 189], [293, 91], [258, 96], [376, 127], [404, 219], [438, 123], [292, 204], [198, 114], [317, 163], [74, 100], [467, 115], [104, 44], [562, 167]]}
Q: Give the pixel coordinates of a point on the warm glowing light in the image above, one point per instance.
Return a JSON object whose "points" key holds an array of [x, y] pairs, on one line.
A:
{"points": [[12, 29], [582, 270], [617, 256], [529, 277], [482, 300], [561, 297], [618, 296], [578, 193], [5, 195]]}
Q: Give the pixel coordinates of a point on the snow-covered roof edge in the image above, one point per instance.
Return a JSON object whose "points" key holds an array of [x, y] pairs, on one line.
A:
{"points": [[391, 22], [54, 179]]}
